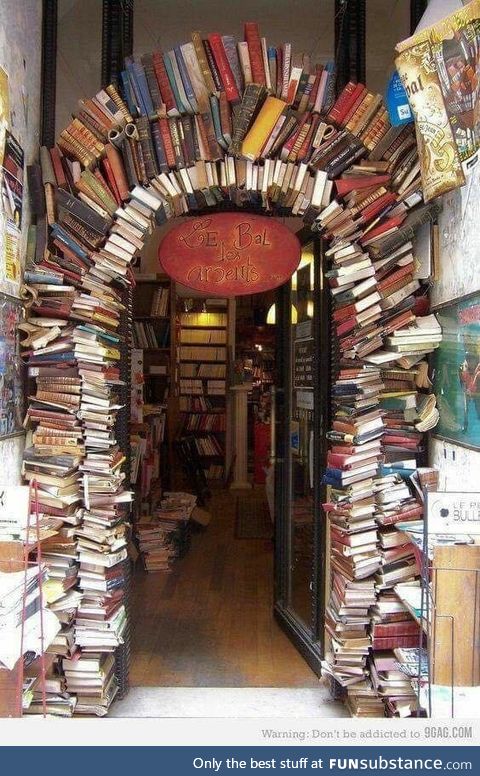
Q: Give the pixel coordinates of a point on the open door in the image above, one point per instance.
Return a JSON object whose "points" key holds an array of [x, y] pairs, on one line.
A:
{"points": [[301, 402]]}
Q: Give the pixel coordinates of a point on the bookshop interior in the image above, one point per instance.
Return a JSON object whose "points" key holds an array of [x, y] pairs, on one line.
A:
{"points": [[239, 358]]}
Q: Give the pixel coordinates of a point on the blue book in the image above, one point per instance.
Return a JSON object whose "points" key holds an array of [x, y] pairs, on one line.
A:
{"points": [[187, 84], [102, 334], [142, 83], [126, 89], [132, 77], [217, 124], [173, 83], [41, 277], [61, 235], [68, 355]]}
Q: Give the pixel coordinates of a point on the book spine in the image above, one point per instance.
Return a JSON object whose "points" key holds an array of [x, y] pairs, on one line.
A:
{"points": [[187, 84], [186, 123], [224, 68], [212, 65], [252, 38], [340, 108], [230, 47], [244, 58], [251, 100], [159, 146], [164, 83], [176, 142], [203, 62], [148, 66], [145, 138], [120, 104], [164, 125]]}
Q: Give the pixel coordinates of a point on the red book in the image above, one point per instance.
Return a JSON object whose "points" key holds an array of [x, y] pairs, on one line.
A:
{"points": [[252, 36], [376, 207], [343, 103], [346, 326], [305, 147], [111, 180], [385, 226], [167, 141], [313, 94], [288, 145], [77, 277], [346, 185], [69, 254], [223, 65], [392, 642], [101, 179], [163, 82], [395, 276], [350, 102], [361, 94], [404, 628], [56, 158]]}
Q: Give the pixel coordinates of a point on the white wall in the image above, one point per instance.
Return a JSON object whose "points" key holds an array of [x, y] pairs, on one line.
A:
{"points": [[20, 57]]}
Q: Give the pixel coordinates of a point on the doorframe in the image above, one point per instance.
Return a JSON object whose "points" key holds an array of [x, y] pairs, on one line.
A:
{"points": [[309, 641]]}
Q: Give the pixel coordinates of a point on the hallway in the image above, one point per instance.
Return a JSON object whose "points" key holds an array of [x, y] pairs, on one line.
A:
{"points": [[209, 623]]}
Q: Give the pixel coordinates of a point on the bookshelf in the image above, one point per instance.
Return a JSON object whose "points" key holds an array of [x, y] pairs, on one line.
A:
{"points": [[203, 357], [153, 334]]}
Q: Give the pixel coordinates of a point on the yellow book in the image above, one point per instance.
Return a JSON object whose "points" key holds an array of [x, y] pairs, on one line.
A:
{"points": [[262, 127]]}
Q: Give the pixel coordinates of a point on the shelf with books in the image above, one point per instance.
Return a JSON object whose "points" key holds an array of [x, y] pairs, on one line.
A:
{"points": [[202, 382], [154, 337]]}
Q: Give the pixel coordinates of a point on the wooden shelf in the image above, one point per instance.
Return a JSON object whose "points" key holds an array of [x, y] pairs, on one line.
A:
{"points": [[151, 317]]}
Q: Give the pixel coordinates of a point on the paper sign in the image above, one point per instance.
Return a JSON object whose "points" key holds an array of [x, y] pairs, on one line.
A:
{"points": [[453, 513], [14, 501]]}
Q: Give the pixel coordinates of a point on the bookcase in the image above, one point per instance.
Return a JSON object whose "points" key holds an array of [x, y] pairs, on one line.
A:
{"points": [[204, 353], [153, 401]]}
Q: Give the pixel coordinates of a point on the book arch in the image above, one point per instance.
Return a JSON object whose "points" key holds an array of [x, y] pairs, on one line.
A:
{"points": [[203, 128]]}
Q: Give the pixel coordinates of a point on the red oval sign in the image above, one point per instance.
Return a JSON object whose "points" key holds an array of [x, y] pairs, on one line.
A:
{"points": [[230, 254]]}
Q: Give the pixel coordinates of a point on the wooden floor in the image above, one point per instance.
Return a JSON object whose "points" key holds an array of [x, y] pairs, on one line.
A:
{"points": [[209, 623]]}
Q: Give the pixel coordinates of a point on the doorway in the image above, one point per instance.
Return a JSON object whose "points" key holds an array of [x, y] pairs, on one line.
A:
{"points": [[239, 610]]}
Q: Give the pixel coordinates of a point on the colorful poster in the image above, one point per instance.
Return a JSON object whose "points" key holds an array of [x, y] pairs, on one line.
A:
{"points": [[457, 372], [12, 206], [11, 385], [440, 71]]}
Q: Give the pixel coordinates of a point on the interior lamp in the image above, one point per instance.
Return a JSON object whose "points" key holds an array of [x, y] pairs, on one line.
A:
{"points": [[272, 315]]}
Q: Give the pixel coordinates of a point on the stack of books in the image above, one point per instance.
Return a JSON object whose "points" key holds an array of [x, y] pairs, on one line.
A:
{"points": [[164, 536], [91, 679], [382, 400]]}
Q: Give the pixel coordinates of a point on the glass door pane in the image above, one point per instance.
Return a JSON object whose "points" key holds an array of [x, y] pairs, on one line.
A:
{"points": [[302, 409], [301, 396]]}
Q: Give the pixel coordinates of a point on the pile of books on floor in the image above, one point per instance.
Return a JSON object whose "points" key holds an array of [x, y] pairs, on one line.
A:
{"points": [[164, 536], [52, 691], [90, 678]]}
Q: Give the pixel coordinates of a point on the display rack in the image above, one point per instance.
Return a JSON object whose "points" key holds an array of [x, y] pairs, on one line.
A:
{"points": [[450, 632]]}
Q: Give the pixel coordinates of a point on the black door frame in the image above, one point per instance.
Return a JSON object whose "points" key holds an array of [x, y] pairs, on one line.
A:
{"points": [[309, 641]]}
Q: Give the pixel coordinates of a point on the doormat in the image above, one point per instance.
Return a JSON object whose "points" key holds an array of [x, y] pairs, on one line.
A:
{"points": [[253, 518]]}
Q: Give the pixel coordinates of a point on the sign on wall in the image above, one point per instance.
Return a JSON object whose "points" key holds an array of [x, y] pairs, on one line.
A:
{"points": [[453, 513], [230, 254]]}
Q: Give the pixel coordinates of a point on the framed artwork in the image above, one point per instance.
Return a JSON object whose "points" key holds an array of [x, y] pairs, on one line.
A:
{"points": [[456, 377]]}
